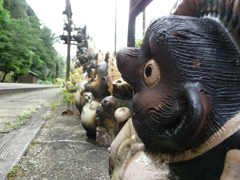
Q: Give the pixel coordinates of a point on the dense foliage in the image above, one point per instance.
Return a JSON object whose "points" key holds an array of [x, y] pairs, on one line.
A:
{"points": [[25, 44]]}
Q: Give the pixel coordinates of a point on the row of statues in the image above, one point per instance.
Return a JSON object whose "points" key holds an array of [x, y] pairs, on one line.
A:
{"points": [[168, 109]]}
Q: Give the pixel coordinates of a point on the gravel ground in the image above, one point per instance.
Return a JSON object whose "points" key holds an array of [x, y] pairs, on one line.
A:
{"points": [[62, 151]]}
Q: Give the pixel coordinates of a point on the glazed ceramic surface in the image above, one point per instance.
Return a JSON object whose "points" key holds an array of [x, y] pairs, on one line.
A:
{"points": [[185, 78]]}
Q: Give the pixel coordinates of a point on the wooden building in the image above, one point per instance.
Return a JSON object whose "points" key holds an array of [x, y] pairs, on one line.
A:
{"points": [[31, 77]]}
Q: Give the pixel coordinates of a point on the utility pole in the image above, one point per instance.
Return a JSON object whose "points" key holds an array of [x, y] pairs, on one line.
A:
{"points": [[69, 38], [68, 28]]}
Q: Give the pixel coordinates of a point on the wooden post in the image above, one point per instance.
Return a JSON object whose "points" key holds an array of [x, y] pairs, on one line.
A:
{"points": [[69, 29], [144, 21], [135, 8]]}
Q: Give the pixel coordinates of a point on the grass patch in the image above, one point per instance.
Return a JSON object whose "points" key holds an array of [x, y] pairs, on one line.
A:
{"points": [[54, 105], [26, 114], [43, 102], [21, 118], [13, 173], [32, 144]]}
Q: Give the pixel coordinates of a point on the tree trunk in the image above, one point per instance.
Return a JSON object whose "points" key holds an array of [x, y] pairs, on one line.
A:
{"points": [[57, 71], [4, 76]]}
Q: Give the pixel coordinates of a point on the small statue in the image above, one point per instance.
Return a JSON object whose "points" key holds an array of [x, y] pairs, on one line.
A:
{"points": [[88, 116], [114, 110], [99, 87], [101, 72]]}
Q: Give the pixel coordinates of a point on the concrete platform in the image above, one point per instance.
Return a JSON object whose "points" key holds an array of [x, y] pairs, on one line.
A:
{"points": [[62, 151], [11, 88], [48, 145]]}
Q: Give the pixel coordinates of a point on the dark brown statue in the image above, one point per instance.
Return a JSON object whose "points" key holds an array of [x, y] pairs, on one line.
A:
{"points": [[186, 81]]}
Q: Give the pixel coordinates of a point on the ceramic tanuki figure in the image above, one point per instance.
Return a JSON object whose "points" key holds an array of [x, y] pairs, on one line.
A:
{"points": [[113, 111], [102, 73], [98, 87], [186, 81]]}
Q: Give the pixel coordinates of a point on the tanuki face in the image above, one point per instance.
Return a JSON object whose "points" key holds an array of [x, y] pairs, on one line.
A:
{"points": [[185, 78]]}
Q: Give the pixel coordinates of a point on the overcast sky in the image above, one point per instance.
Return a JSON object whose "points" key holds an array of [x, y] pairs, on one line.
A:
{"points": [[99, 17]]}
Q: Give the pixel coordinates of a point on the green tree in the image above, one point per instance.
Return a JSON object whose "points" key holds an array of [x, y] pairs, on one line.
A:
{"points": [[30, 12], [47, 57], [5, 43], [4, 14], [17, 8], [17, 45], [62, 66], [26, 44]]}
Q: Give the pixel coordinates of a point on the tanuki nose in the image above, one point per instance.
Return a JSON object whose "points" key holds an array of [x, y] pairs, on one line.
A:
{"points": [[127, 62]]}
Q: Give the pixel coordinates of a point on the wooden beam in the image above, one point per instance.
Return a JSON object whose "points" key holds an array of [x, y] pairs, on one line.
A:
{"points": [[135, 8], [138, 7]]}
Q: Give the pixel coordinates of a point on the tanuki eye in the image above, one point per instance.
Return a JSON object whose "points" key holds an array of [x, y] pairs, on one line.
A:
{"points": [[148, 71], [151, 73]]}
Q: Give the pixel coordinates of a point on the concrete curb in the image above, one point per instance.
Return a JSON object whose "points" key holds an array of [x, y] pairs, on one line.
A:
{"points": [[4, 89], [15, 144]]}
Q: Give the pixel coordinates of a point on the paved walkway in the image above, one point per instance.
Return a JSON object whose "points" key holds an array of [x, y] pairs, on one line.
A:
{"points": [[57, 146], [18, 105], [9, 88]]}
